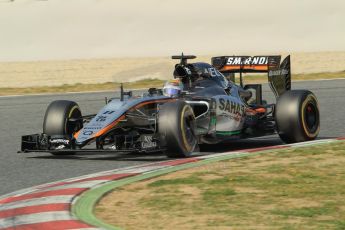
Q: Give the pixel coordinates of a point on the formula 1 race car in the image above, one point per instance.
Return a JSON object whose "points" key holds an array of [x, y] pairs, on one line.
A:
{"points": [[201, 105]]}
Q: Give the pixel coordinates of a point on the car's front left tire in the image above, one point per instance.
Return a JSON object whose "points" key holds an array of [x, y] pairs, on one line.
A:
{"points": [[176, 125]]}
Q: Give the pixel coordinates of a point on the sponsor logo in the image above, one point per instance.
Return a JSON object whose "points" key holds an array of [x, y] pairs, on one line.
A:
{"points": [[257, 60], [92, 128], [278, 72], [212, 72], [87, 133], [113, 147], [147, 142], [44, 140], [235, 117], [59, 141], [60, 147], [231, 107]]}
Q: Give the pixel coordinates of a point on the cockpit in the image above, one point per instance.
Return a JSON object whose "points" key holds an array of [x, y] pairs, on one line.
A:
{"points": [[200, 71]]}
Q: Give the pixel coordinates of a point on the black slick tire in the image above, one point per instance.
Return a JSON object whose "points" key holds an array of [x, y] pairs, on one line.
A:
{"points": [[56, 120], [176, 124], [297, 116]]}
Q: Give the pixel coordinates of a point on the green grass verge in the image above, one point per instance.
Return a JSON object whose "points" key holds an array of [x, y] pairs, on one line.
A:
{"points": [[263, 190], [148, 83], [84, 206], [297, 188]]}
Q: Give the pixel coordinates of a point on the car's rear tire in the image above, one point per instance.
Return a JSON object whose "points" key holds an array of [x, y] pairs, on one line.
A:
{"points": [[176, 125], [297, 116], [56, 120]]}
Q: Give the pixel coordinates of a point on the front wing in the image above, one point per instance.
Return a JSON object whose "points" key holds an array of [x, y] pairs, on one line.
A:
{"points": [[62, 145]]}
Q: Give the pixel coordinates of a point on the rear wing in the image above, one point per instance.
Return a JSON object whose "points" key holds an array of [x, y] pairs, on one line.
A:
{"points": [[279, 74]]}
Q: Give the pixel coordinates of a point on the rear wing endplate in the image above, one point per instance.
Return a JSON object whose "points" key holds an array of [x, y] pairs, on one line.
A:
{"points": [[279, 79]]}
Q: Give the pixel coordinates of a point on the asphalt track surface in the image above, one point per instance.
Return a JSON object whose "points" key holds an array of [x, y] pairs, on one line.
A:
{"points": [[24, 115]]}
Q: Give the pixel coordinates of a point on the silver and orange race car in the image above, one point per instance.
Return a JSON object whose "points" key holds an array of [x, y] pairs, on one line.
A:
{"points": [[200, 105]]}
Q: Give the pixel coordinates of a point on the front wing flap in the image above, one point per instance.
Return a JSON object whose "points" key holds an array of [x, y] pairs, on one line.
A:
{"points": [[45, 143]]}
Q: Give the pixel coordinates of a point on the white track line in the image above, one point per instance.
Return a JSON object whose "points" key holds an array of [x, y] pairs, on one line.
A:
{"points": [[213, 155], [308, 143], [83, 184], [143, 169], [37, 201], [35, 218]]}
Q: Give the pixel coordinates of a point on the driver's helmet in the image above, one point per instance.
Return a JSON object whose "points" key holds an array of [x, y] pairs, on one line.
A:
{"points": [[173, 88], [207, 71]]}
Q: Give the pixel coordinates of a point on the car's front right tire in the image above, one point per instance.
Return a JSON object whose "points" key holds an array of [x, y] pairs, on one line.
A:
{"points": [[57, 120]]}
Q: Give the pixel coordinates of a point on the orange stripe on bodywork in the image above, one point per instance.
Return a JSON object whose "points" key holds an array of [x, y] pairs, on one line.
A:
{"points": [[151, 102], [260, 110], [245, 67], [109, 127], [75, 135], [250, 111]]}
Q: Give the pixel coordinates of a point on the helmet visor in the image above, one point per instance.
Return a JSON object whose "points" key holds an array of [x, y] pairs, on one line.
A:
{"points": [[171, 91]]}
